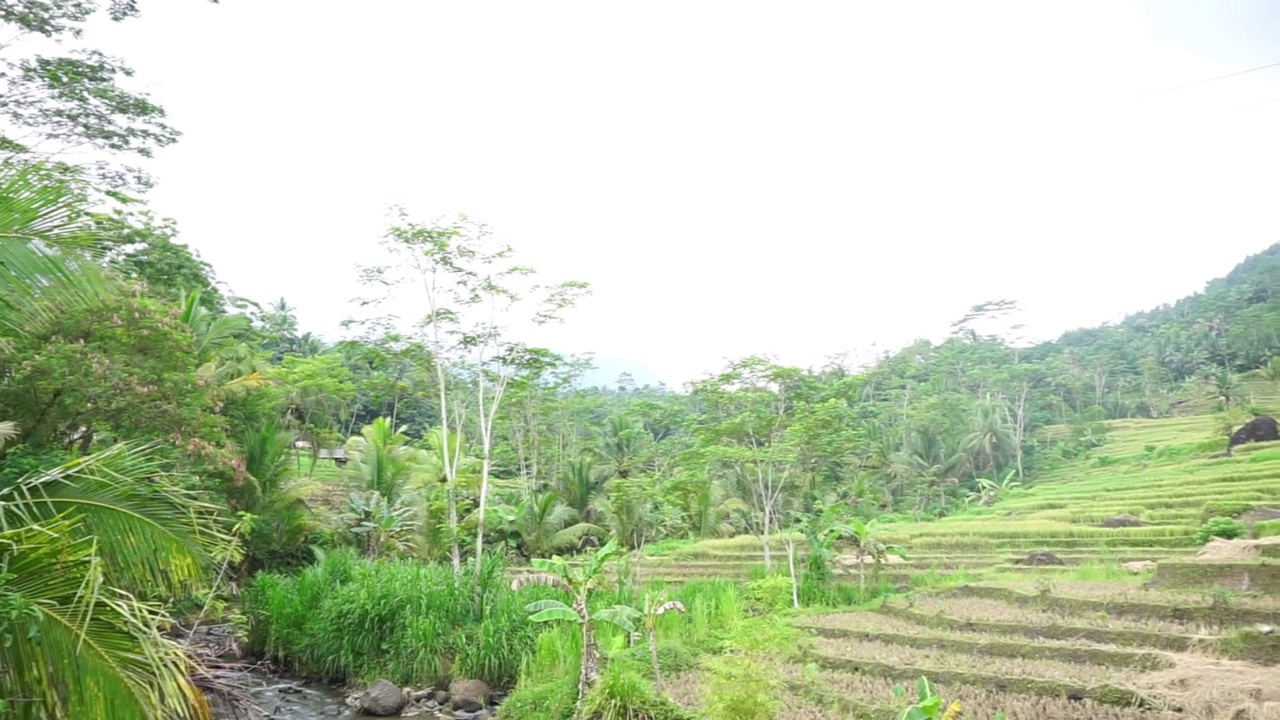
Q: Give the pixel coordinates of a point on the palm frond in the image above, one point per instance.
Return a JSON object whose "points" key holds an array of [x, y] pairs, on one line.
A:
{"points": [[148, 532], [573, 534], [82, 650], [8, 431], [48, 249]]}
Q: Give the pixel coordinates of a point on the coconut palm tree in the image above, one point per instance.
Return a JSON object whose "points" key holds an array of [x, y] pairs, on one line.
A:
{"points": [[582, 485], [545, 524], [384, 458], [282, 521]]}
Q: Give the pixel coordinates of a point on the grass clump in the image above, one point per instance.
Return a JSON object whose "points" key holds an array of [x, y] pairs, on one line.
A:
{"points": [[345, 618], [623, 693], [741, 687]]}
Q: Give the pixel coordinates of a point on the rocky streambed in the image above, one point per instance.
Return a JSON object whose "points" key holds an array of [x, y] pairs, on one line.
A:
{"points": [[263, 693], [279, 696]]}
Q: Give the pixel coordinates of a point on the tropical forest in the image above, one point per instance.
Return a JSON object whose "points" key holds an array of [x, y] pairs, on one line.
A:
{"points": [[210, 511]]}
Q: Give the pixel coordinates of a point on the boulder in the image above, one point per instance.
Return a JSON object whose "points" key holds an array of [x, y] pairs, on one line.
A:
{"points": [[1122, 521], [1137, 567], [382, 698], [468, 695], [1260, 429], [1041, 558]]}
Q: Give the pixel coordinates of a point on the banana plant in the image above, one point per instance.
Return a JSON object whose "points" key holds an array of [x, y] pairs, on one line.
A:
{"points": [[655, 606], [579, 582], [930, 706]]}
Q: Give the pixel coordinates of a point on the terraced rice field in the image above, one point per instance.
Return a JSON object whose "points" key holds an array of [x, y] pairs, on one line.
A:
{"points": [[1088, 639], [1051, 656]]}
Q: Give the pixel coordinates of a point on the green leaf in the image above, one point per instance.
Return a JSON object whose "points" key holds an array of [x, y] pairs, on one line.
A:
{"points": [[924, 689], [540, 605], [619, 615], [555, 614]]}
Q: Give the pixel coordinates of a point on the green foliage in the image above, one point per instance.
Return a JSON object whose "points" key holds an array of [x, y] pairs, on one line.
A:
{"points": [[78, 544], [929, 705], [552, 698], [623, 693], [1220, 527], [409, 622], [1266, 528], [741, 687], [143, 249], [771, 593]]}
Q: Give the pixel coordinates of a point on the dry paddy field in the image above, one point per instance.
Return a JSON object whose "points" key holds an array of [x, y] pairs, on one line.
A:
{"points": [[1053, 656]]}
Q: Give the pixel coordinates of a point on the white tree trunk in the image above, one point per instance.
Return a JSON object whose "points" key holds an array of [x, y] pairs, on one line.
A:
{"points": [[768, 558], [791, 565]]}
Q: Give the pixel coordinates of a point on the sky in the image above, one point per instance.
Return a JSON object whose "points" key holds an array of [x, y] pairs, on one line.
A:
{"points": [[796, 179]]}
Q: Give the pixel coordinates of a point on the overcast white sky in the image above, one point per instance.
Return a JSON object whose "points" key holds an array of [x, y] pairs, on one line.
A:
{"points": [[792, 178]]}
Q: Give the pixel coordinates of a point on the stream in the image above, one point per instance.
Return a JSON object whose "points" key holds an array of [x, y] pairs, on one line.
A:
{"points": [[292, 699]]}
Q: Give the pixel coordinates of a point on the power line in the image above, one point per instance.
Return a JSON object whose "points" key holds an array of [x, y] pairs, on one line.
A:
{"points": [[1213, 79], [1265, 102]]}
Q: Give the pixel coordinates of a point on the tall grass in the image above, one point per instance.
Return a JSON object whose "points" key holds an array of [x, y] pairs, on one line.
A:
{"points": [[346, 618]]}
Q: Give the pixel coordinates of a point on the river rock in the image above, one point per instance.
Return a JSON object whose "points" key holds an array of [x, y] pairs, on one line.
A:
{"points": [[468, 695], [382, 698]]}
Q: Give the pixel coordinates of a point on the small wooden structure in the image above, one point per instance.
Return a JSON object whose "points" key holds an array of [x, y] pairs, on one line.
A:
{"points": [[337, 455]]}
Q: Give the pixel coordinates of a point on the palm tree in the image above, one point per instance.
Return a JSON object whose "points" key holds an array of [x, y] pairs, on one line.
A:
{"points": [[384, 458], [620, 444], [991, 441], [582, 487], [546, 524], [225, 360], [282, 520]]}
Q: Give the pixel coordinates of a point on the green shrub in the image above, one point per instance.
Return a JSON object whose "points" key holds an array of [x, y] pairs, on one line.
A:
{"points": [[1220, 527], [770, 593], [673, 657]]}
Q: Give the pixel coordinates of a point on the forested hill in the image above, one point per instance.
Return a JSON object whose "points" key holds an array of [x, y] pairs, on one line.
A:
{"points": [[1233, 327]]}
